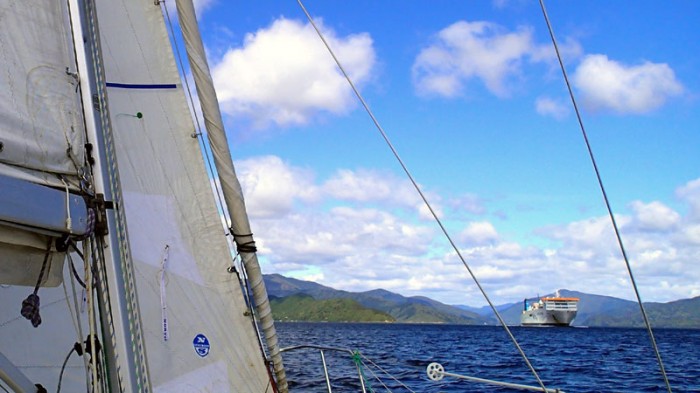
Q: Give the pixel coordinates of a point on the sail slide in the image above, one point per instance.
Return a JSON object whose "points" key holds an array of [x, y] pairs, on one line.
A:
{"points": [[198, 335]]}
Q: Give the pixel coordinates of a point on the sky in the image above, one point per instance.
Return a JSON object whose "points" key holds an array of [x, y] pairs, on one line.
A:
{"points": [[471, 95]]}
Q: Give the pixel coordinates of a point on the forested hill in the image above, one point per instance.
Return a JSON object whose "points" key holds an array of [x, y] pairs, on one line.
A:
{"points": [[375, 305], [402, 309]]}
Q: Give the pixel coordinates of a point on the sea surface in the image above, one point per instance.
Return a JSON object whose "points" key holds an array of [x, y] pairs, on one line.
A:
{"points": [[570, 359]]}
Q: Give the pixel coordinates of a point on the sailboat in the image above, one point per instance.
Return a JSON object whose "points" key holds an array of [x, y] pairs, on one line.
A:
{"points": [[116, 273]]}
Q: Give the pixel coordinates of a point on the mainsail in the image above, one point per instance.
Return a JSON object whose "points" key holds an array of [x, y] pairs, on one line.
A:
{"points": [[173, 316]]}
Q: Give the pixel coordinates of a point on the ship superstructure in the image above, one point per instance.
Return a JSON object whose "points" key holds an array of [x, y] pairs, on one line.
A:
{"points": [[549, 311]]}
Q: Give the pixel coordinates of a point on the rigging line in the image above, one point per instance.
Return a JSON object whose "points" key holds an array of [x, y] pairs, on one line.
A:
{"points": [[607, 201], [197, 124], [424, 198], [386, 372], [79, 324], [376, 377]]}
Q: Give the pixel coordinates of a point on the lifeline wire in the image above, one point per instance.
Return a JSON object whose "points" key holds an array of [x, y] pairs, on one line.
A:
{"points": [[607, 202], [423, 197], [386, 372]]}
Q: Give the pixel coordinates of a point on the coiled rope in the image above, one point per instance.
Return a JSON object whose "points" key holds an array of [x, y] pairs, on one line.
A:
{"points": [[423, 197], [607, 201]]}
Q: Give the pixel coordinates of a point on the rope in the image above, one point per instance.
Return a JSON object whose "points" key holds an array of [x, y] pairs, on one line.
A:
{"points": [[69, 220], [63, 368], [358, 362], [423, 197], [31, 305], [607, 201]]}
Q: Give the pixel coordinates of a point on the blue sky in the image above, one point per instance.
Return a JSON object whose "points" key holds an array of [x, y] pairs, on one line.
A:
{"points": [[471, 95]]}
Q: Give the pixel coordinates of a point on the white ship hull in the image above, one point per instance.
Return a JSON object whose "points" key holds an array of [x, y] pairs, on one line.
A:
{"points": [[547, 318]]}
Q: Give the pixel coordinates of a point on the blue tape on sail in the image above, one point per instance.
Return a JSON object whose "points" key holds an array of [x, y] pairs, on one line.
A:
{"points": [[141, 86]]}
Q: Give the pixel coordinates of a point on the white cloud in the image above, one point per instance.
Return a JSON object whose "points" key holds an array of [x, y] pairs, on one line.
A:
{"points": [[484, 51], [690, 193], [481, 232], [374, 186], [371, 236], [609, 85], [654, 216], [271, 186], [550, 107], [466, 50], [284, 75]]}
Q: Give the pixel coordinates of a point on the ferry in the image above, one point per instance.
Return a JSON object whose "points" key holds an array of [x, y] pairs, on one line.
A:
{"points": [[549, 311]]}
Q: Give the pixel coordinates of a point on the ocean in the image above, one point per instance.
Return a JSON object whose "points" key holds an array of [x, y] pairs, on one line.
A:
{"points": [[569, 359]]}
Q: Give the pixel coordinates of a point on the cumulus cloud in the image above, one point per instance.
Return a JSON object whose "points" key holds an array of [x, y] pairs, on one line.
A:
{"points": [[612, 86], [466, 50], [369, 236], [374, 186], [654, 216], [690, 193], [550, 107], [482, 51], [271, 186], [481, 232], [284, 75]]}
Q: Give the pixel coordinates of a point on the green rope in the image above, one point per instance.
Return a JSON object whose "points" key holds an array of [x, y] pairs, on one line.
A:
{"points": [[357, 359]]}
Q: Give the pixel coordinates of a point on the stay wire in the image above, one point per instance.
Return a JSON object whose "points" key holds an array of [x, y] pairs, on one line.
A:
{"points": [[423, 197], [607, 201]]}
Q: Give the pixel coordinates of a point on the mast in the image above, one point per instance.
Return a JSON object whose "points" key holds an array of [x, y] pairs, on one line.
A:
{"points": [[124, 367], [233, 194]]}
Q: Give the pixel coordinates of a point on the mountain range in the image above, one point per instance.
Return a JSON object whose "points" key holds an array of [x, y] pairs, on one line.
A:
{"points": [[299, 300]]}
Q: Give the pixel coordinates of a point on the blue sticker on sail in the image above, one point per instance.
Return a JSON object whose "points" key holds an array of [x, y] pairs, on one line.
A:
{"points": [[201, 345]]}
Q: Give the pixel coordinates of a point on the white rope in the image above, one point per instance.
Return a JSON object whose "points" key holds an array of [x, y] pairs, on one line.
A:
{"points": [[69, 221]]}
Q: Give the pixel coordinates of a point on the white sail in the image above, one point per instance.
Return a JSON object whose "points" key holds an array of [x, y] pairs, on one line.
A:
{"points": [[40, 114], [173, 316], [197, 334], [42, 142]]}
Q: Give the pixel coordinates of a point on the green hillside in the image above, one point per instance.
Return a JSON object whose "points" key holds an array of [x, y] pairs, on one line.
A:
{"points": [[323, 303], [414, 309], [302, 307]]}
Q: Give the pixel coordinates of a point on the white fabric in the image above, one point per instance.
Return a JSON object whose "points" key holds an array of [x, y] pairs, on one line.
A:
{"points": [[40, 114], [233, 193], [168, 201]]}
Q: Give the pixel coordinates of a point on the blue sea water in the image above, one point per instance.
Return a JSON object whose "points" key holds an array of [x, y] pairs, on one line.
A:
{"points": [[570, 359]]}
